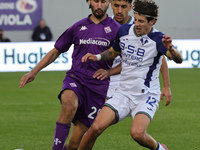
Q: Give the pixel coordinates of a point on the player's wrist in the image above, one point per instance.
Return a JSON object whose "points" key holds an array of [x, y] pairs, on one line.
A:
{"points": [[98, 57]]}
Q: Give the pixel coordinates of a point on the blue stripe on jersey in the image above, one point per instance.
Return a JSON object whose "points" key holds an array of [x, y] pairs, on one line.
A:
{"points": [[151, 69], [157, 37], [123, 30]]}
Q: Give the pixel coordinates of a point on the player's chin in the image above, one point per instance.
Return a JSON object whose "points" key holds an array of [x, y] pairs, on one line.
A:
{"points": [[119, 20]]}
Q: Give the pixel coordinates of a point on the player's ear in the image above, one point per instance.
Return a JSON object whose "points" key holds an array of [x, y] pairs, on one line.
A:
{"points": [[89, 2], [130, 7], [152, 22], [112, 5]]}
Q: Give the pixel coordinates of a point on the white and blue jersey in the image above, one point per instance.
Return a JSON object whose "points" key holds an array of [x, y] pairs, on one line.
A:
{"points": [[115, 79], [141, 60]]}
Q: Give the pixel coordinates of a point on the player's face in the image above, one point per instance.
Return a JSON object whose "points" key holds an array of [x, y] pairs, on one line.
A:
{"points": [[121, 9], [142, 26], [42, 23], [99, 7]]}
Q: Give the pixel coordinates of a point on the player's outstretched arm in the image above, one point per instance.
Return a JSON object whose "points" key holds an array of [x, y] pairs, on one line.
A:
{"points": [[166, 91], [48, 58], [174, 53], [105, 56]]}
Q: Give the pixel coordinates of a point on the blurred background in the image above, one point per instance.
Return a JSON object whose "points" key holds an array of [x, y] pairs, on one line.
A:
{"points": [[28, 115], [179, 19], [24, 21]]}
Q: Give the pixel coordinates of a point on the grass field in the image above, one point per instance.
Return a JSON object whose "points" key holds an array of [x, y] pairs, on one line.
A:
{"points": [[28, 115]]}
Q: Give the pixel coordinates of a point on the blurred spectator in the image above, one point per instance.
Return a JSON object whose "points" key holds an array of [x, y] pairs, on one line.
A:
{"points": [[3, 38], [42, 32]]}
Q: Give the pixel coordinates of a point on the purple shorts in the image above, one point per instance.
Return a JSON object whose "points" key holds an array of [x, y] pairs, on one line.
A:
{"points": [[90, 103]]}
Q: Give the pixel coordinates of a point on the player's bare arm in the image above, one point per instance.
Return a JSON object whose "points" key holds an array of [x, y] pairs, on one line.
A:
{"points": [[174, 53], [166, 91], [108, 55], [105, 56], [48, 58]]}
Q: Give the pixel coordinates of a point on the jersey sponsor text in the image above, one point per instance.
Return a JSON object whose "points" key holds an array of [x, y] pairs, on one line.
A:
{"points": [[95, 41]]}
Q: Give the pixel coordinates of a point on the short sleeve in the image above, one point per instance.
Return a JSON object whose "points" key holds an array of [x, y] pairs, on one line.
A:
{"points": [[65, 40]]}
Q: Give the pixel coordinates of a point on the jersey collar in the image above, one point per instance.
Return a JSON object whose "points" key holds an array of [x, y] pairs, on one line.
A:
{"points": [[105, 21], [129, 20]]}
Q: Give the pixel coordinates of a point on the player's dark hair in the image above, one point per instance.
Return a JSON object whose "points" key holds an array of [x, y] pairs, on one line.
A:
{"points": [[89, 5], [129, 1], [147, 8]]}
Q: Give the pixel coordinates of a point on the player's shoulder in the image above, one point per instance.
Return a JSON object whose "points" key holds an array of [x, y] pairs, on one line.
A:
{"points": [[126, 26], [124, 29], [154, 32], [155, 35], [112, 22], [83, 21]]}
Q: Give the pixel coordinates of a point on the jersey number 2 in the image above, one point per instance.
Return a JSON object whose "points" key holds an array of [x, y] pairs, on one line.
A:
{"points": [[91, 115]]}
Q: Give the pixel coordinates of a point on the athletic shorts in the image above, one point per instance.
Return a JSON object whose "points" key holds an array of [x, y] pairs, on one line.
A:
{"points": [[112, 88], [110, 92], [139, 104], [90, 103]]}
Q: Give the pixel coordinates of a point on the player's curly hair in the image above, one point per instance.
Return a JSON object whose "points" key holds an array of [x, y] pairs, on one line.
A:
{"points": [[129, 1], [147, 8]]}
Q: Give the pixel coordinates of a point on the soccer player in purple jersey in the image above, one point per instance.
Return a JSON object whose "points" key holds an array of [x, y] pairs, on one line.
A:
{"points": [[82, 96], [142, 48]]}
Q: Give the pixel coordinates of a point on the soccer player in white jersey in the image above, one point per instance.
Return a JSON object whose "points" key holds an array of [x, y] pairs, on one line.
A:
{"points": [[142, 48], [121, 9]]}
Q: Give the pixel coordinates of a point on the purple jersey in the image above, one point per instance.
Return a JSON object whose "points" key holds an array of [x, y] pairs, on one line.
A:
{"points": [[89, 37]]}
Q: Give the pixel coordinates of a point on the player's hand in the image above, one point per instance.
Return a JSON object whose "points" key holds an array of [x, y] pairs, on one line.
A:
{"points": [[26, 79], [167, 41], [89, 56], [168, 95], [101, 74]]}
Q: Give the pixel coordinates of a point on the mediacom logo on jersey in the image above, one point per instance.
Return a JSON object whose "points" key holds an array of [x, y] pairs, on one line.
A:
{"points": [[95, 41]]}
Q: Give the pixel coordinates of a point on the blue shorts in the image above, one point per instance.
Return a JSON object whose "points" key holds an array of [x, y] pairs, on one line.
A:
{"points": [[90, 103]]}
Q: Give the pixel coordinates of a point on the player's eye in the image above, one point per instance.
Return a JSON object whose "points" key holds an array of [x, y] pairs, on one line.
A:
{"points": [[124, 6], [115, 5]]}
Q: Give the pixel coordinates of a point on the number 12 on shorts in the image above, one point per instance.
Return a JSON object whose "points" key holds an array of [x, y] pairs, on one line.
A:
{"points": [[151, 101]]}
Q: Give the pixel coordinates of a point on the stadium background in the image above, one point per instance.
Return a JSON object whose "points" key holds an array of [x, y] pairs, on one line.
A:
{"points": [[177, 18], [28, 115]]}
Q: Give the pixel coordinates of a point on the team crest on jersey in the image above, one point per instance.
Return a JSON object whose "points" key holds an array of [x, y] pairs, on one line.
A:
{"points": [[107, 29], [73, 84], [143, 41]]}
